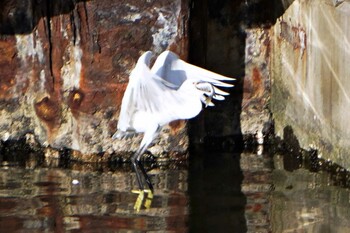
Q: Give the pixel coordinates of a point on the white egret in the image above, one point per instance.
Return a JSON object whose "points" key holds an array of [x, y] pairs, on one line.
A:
{"points": [[171, 90]]}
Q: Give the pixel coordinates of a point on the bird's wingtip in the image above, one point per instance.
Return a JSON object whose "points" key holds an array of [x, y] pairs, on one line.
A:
{"points": [[222, 84], [225, 78]]}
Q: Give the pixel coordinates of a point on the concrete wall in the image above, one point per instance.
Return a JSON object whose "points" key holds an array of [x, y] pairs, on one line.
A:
{"points": [[310, 72], [65, 65], [64, 70]]}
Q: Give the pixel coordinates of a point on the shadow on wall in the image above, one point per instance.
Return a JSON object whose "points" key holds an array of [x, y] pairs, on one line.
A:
{"points": [[258, 13], [22, 16], [217, 42], [295, 157], [293, 152]]}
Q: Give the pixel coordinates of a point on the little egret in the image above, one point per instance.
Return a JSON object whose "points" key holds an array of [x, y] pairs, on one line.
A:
{"points": [[171, 90]]}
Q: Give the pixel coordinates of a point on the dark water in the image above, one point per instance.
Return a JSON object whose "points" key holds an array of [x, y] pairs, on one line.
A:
{"points": [[213, 192]]}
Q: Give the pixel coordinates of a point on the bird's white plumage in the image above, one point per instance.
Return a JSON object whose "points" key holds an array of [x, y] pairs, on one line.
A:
{"points": [[164, 93], [148, 103], [169, 67], [172, 89]]}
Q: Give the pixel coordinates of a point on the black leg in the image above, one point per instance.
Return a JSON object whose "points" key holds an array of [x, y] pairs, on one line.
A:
{"points": [[137, 164], [138, 177], [148, 181], [142, 193]]}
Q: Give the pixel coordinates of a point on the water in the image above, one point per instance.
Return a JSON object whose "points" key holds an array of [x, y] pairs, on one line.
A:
{"points": [[213, 192]]}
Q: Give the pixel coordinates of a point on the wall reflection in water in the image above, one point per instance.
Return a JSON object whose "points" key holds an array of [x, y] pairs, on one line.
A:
{"points": [[305, 201], [86, 198], [257, 186], [217, 203], [217, 192], [287, 193]]}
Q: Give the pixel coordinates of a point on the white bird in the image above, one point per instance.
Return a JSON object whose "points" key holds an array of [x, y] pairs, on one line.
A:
{"points": [[171, 90]]}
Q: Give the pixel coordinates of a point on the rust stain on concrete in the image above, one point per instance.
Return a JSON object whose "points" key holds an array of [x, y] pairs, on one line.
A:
{"points": [[176, 126], [8, 63], [75, 99], [48, 111], [294, 35], [74, 60]]}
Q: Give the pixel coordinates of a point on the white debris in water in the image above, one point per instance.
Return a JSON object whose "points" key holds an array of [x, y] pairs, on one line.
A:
{"points": [[259, 138], [6, 136], [75, 181], [260, 150]]}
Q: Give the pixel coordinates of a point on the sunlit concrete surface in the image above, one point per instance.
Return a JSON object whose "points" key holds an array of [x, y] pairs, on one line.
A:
{"points": [[310, 73]]}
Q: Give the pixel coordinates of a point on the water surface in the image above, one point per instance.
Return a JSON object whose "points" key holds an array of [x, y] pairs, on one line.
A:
{"points": [[213, 192]]}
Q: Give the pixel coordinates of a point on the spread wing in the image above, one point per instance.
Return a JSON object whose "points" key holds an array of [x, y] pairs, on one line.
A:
{"points": [[148, 101], [173, 70], [166, 92]]}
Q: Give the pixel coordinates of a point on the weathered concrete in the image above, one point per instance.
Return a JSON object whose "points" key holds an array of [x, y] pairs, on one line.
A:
{"points": [[310, 71], [255, 117], [64, 70]]}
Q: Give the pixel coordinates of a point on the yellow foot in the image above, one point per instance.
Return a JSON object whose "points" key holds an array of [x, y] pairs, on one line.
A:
{"points": [[141, 198], [149, 198]]}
